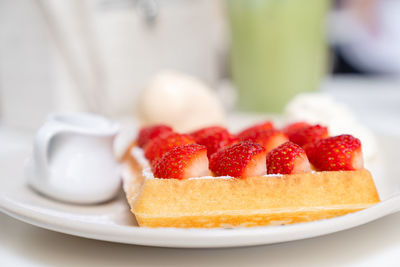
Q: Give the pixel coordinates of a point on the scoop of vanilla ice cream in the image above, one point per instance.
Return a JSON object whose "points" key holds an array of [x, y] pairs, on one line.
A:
{"points": [[181, 101], [323, 109]]}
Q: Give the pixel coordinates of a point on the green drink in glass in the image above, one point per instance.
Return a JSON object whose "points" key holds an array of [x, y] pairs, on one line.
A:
{"points": [[278, 50]]}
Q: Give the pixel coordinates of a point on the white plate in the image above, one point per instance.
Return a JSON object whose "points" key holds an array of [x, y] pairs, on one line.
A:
{"points": [[112, 221]]}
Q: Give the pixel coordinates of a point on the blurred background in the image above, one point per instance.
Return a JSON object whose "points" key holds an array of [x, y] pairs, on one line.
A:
{"points": [[253, 55]]}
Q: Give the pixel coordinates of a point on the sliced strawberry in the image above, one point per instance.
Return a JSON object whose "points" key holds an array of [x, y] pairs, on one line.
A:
{"points": [[148, 133], [255, 128], [183, 162], [214, 141], [309, 134], [287, 158], [294, 127], [201, 133], [310, 149], [164, 143], [243, 159], [269, 139], [342, 152]]}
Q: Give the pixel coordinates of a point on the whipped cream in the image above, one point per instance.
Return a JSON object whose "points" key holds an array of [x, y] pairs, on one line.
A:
{"points": [[138, 154], [181, 101], [323, 109]]}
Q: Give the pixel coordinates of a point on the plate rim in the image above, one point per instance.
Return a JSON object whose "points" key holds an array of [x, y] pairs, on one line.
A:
{"points": [[199, 238]]}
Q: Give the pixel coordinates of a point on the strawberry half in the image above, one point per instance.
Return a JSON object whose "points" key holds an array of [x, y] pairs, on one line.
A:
{"points": [[255, 128], [287, 158], [310, 149], [269, 139], [203, 132], [294, 127], [183, 162], [243, 159], [164, 143], [309, 134], [215, 140], [148, 133], [338, 153]]}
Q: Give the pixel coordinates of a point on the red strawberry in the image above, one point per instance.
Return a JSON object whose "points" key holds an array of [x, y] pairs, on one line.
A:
{"points": [[215, 140], [258, 127], [294, 127], [199, 134], [342, 152], [183, 162], [164, 143], [267, 138], [310, 149], [309, 134], [148, 133], [288, 158], [243, 159]]}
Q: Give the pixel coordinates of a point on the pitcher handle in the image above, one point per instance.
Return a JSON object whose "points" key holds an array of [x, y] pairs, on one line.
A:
{"points": [[42, 145]]}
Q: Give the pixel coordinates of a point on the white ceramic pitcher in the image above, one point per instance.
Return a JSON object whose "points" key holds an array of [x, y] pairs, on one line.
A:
{"points": [[73, 159]]}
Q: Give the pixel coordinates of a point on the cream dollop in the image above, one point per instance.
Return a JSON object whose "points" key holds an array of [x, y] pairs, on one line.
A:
{"points": [[181, 101], [322, 108]]}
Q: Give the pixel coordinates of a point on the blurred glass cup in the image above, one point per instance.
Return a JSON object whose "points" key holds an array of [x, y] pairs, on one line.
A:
{"points": [[278, 50]]}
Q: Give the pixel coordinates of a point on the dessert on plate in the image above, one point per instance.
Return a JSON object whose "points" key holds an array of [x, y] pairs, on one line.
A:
{"points": [[260, 176]]}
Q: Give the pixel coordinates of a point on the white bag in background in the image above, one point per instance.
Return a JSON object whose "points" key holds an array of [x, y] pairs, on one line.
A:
{"points": [[97, 55]]}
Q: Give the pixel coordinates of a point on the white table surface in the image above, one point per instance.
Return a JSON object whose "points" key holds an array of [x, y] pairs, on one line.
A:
{"points": [[377, 103], [374, 244]]}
